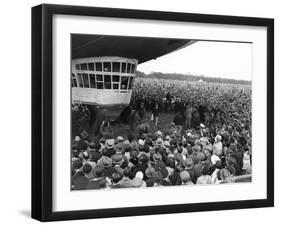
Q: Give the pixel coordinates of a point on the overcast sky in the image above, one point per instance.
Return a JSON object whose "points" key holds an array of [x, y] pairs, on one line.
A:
{"points": [[213, 59]]}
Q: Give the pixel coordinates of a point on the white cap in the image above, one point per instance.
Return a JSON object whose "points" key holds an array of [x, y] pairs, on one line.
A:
{"points": [[77, 138], [214, 159], [141, 142], [139, 174]]}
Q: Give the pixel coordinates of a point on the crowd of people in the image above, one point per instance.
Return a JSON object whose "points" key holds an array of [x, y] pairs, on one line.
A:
{"points": [[207, 142]]}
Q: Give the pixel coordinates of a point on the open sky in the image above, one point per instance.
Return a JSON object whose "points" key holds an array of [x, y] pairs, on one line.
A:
{"points": [[212, 59]]}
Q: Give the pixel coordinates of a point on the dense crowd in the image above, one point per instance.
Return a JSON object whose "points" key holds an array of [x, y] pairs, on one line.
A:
{"points": [[208, 141]]}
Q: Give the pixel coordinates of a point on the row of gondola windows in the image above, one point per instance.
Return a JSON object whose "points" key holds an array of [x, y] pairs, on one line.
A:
{"points": [[107, 67], [100, 81]]}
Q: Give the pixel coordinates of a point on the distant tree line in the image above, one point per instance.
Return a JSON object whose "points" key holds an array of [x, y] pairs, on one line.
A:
{"points": [[192, 78]]}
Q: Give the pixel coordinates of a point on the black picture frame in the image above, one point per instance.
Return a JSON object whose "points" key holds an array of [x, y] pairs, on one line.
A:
{"points": [[42, 107]]}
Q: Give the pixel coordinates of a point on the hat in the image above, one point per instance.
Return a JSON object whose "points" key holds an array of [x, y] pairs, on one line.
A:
{"points": [[117, 159], [141, 142], [167, 144], [185, 176], [157, 157], [200, 156], [119, 147], [159, 133], [139, 175], [188, 163], [77, 138], [171, 156], [105, 161], [77, 164], [157, 176], [126, 142], [109, 143], [149, 183], [218, 138], [98, 170], [159, 142], [134, 154], [214, 159], [168, 138], [120, 138], [149, 171]]}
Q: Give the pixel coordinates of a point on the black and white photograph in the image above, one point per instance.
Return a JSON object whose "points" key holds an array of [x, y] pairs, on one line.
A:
{"points": [[152, 112], [142, 112]]}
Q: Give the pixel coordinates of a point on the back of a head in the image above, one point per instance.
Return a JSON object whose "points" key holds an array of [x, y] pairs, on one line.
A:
{"points": [[116, 177], [77, 164], [99, 171], [87, 168], [127, 172], [205, 170]]}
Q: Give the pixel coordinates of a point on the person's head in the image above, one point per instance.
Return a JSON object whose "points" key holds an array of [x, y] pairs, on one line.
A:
{"points": [[131, 137], [82, 145], [87, 168], [185, 176], [180, 149], [139, 175], [157, 176], [205, 170], [77, 164], [109, 144], [116, 177], [99, 171], [224, 174], [218, 164], [127, 172], [218, 138], [170, 163]]}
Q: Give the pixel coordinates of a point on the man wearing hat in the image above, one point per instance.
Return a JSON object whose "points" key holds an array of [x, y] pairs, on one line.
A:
{"points": [[106, 163], [109, 149], [141, 166], [159, 165], [99, 180], [158, 134], [116, 178], [126, 182]]}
